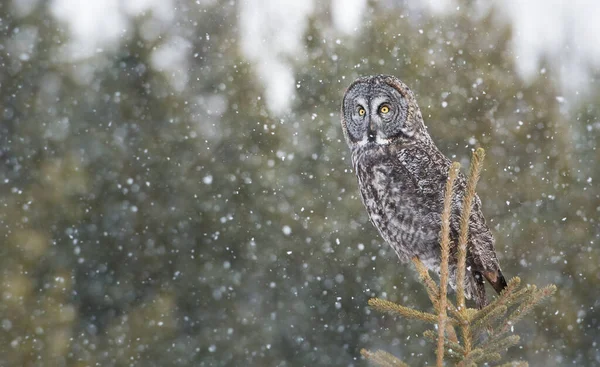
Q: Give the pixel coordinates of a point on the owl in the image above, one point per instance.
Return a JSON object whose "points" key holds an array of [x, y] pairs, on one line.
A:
{"points": [[402, 177]]}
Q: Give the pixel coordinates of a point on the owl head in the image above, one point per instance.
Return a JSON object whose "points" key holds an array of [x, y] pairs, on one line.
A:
{"points": [[379, 110]]}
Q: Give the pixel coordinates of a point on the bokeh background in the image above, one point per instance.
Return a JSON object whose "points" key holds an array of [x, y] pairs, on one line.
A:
{"points": [[175, 189]]}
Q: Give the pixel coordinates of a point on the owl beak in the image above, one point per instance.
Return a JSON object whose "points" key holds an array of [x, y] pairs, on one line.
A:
{"points": [[371, 134]]}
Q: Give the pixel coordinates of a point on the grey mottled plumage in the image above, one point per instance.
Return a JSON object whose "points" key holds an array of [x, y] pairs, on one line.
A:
{"points": [[402, 177]]}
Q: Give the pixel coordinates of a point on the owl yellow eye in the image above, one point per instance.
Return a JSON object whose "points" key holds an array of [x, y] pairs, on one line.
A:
{"points": [[384, 109], [361, 111]]}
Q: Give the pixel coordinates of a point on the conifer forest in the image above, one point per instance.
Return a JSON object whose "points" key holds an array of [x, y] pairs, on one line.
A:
{"points": [[176, 190]]}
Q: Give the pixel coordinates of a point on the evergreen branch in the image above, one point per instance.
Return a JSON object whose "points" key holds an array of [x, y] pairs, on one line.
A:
{"points": [[493, 346], [467, 337], [547, 291], [450, 345], [488, 319], [382, 358], [516, 315], [430, 286], [451, 334], [468, 314], [457, 314], [432, 289], [395, 309], [514, 364], [535, 298], [511, 286], [502, 299], [445, 254], [490, 357], [476, 164], [454, 356], [471, 358], [518, 298]]}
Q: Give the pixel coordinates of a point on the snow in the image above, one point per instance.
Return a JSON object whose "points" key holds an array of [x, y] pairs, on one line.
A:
{"points": [[347, 15], [271, 32], [175, 187]]}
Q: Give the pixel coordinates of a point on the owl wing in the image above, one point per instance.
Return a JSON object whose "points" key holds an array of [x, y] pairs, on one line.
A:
{"points": [[429, 169]]}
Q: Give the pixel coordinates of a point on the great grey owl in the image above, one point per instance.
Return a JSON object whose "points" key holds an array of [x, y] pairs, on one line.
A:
{"points": [[402, 177]]}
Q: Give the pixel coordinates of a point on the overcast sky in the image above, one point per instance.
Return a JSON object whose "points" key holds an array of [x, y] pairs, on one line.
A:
{"points": [[565, 32]]}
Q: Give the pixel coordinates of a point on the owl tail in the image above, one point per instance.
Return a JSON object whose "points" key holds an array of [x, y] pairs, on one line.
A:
{"points": [[480, 299], [496, 279]]}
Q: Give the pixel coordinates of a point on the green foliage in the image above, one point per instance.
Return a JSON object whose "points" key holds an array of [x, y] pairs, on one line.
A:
{"points": [[495, 321]]}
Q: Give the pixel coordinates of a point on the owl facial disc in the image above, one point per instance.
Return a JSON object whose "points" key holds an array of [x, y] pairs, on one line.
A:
{"points": [[375, 111]]}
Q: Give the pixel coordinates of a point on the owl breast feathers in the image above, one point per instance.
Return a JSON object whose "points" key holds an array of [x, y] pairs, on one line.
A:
{"points": [[402, 177]]}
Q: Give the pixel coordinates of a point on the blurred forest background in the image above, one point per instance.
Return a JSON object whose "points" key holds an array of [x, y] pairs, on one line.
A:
{"points": [[175, 189]]}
